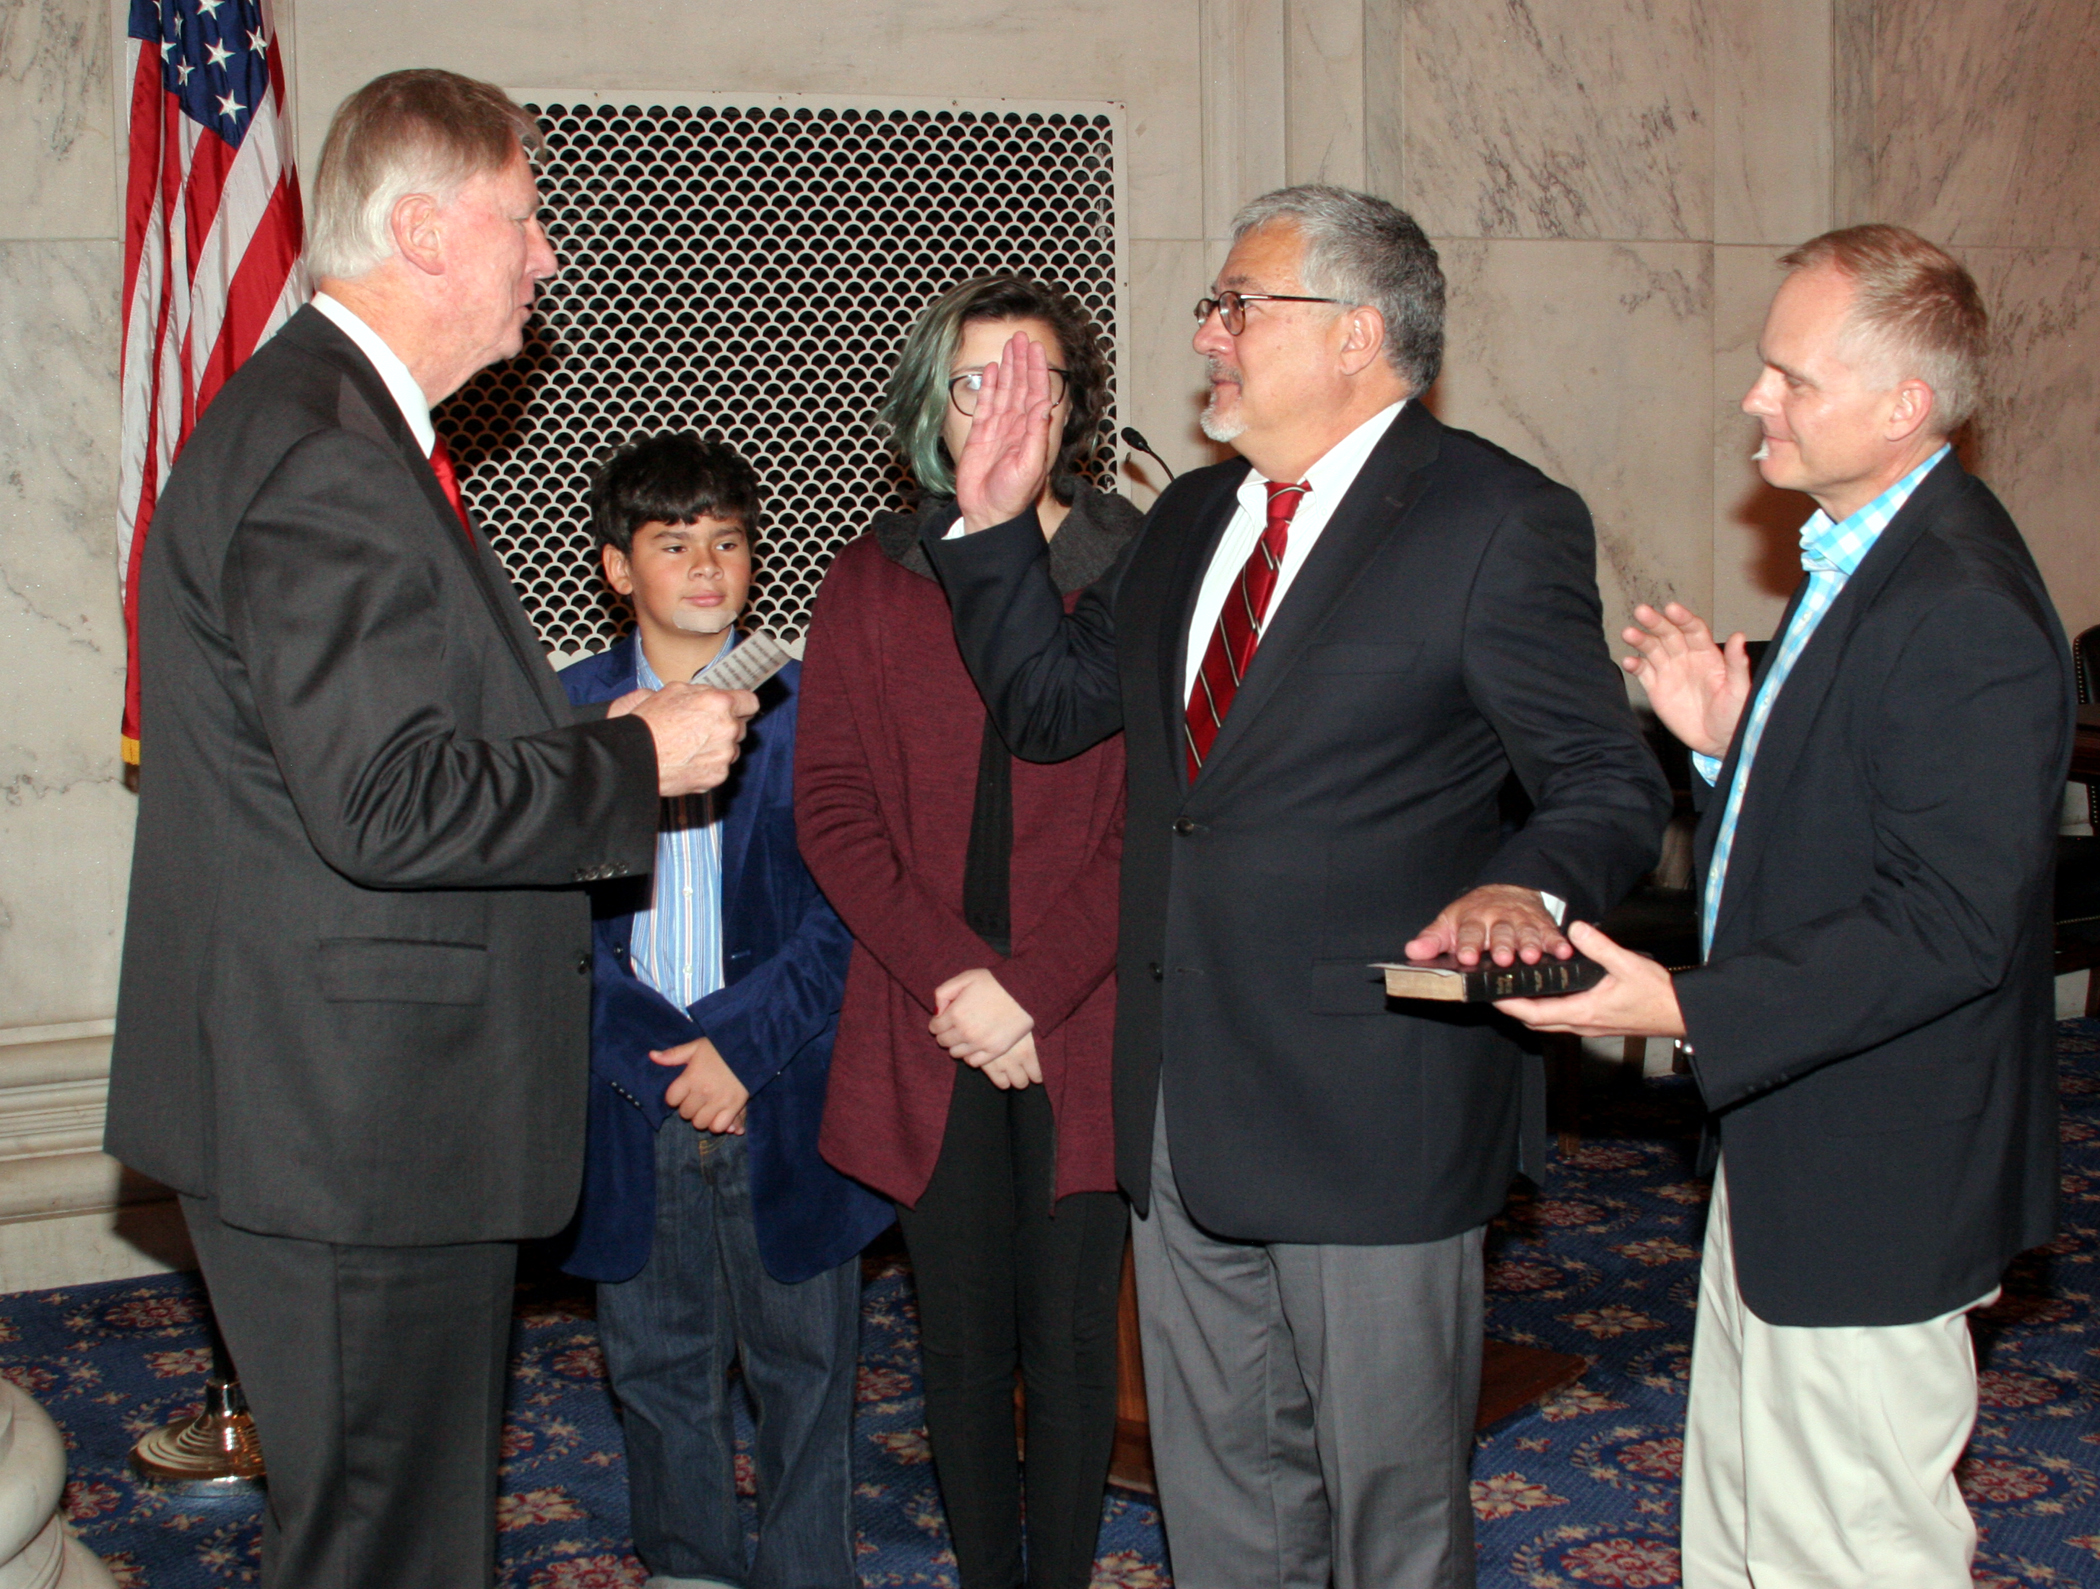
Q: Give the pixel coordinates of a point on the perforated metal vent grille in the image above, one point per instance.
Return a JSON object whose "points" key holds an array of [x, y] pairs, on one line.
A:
{"points": [[751, 272]]}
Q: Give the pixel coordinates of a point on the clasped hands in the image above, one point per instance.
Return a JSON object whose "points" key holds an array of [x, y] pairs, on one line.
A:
{"points": [[978, 1022], [1699, 689], [705, 1092]]}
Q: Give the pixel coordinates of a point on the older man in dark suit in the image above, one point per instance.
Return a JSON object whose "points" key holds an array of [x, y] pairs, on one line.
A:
{"points": [[1871, 1025], [1327, 657], [352, 1024]]}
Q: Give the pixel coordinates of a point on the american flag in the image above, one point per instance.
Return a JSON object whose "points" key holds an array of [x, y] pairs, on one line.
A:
{"points": [[212, 236]]}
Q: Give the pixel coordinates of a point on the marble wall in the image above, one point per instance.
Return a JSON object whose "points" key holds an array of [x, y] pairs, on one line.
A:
{"points": [[1979, 125], [65, 814], [1610, 182], [65, 817]]}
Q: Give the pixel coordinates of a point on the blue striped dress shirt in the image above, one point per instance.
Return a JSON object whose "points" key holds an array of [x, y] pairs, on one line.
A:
{"points": [[676, 942], [1831, 554]]}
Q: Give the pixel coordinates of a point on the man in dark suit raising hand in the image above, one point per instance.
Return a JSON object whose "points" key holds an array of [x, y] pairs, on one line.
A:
{"points": [[351, 1028], [1327, 657]]}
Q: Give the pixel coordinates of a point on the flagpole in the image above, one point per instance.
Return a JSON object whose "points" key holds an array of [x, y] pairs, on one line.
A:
{"points": [[208, 138]]}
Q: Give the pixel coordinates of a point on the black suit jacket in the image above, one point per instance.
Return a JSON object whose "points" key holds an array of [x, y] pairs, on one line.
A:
{"points": [[1874, 1024], [1444, 630], [355, 995]]}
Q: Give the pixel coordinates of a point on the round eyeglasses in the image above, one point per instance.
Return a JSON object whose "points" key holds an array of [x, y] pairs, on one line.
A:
{"points": [[963, 389], [1231, 307]]}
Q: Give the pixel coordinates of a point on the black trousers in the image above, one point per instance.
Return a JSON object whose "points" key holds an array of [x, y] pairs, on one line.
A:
{"points": [[376, 1377], [1005, 1278]]}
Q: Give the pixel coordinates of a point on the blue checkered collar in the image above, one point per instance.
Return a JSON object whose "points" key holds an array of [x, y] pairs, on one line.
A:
{"points": [[1841, 548], [645, 676]]}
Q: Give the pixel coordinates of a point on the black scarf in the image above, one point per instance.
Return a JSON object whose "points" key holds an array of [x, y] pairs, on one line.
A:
{"points": [[1092, 537]]}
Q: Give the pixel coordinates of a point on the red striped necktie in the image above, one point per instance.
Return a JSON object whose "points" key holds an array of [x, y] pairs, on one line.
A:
{"points": [[448, 477], [1239, 627]]}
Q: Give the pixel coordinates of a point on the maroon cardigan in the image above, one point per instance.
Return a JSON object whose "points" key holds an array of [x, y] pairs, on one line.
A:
{"points": [[886, 762]]}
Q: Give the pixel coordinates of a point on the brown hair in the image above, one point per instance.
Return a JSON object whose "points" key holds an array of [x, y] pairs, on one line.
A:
{"points": [[1916, 303], [419, 131]]}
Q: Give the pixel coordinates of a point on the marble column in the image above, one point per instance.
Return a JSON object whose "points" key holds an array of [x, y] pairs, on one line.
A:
{"points": [[37, 1549], [65, 813]]}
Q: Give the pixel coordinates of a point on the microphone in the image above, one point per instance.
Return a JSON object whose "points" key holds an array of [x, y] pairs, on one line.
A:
{"points": [[1134, 440]]}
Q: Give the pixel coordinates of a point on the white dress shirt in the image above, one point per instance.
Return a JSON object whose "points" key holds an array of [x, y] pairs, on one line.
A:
{"points": [[1329, 481], [407, 395]]}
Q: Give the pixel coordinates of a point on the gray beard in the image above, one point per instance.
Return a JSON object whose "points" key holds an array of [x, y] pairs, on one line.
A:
{"points": [[1218, 428]]}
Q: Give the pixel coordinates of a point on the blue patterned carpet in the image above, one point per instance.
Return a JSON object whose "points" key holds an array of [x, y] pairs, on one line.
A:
{"points": [[1578, 1493]]}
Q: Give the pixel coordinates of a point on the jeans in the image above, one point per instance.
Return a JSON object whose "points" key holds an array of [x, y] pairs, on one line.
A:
{"points": [[1003, 1277], [701, 1302]]}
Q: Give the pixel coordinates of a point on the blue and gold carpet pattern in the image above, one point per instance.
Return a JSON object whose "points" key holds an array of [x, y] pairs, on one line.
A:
{"points": [[1579, 1492]]}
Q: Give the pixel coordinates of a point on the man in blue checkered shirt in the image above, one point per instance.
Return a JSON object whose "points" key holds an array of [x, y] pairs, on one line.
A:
{"points": [[1871, 1026]]}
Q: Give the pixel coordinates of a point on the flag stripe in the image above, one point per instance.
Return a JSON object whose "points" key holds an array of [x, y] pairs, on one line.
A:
{"points": [[212, 236]]}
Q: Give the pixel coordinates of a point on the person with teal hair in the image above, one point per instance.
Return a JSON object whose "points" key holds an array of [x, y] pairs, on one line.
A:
{"points": [[970, 1078]]}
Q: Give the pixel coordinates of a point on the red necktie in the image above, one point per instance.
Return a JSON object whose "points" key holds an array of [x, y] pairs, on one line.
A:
{"points": [[448, 478], [1238, 632]]}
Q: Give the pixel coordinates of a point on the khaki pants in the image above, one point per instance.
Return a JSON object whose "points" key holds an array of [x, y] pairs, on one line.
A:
{"points": [[1823, 1458]]}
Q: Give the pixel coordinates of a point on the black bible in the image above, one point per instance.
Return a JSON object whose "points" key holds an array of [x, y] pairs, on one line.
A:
{"points": [[1444, 978]]}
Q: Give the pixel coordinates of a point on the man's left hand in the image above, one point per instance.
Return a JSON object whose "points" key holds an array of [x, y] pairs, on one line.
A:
{"points": [[1499, 920], [1638, 998], [705, 1091]]}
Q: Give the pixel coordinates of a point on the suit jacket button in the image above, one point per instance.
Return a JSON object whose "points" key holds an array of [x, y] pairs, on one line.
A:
{"points": [[1183, 826], [583, 965], [1157, 974]]}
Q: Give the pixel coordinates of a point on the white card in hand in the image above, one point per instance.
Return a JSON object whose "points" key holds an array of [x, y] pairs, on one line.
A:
{"points": [[749, 663]]}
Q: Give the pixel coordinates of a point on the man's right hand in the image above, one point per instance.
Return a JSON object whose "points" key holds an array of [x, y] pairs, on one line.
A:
{"points": [[1697, 688], [697, 731]]}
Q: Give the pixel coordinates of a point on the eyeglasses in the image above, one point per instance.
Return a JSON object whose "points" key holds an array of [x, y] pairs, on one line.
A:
{"points": [[964, 389], [1231, 307]]}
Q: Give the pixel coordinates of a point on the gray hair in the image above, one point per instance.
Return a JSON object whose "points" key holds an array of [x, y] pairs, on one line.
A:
{"points": [[1366, 252], [1916, 306], [418, 131]]}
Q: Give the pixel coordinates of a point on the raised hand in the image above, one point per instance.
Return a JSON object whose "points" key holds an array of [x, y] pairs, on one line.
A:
{"points": [[1697, 688], [1006, 462]]}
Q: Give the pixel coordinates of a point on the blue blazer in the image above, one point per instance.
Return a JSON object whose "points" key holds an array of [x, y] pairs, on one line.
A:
{"points": [[784, 958]]}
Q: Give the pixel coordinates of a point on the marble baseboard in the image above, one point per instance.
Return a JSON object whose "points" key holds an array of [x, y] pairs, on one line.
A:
{"points": [[1592, 361], [84, 1249], [69, 1213]]}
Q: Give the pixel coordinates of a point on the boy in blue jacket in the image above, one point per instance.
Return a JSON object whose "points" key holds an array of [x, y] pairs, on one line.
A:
{"points": [[716, 1233]]}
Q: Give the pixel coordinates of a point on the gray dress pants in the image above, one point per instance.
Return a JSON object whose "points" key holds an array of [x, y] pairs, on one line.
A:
{"points": [[376, 1377], [1311, 1406]]}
